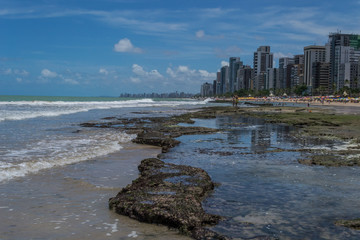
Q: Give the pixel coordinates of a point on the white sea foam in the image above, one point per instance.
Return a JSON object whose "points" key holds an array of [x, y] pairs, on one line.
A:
{"points": [[19, 110], [55, 152]]}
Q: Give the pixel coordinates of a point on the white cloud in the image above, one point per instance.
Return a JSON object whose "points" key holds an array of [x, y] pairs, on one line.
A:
{"points": [[278, 55], [46, 73], [139, 70], [21, 72], [184, 73], [224, 63], [135, 80], [19, 80], [125, 45], [155, 73], [71, 81], [103, 71], [18, 72], [185, 69], [200, 34], [170, 72], [206, 74]]}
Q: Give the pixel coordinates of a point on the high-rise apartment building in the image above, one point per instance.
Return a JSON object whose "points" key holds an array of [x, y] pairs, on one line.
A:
{"points": [[272, 77], [263, 59], [285, 64], [312, 54], [224, 79], [299, 59], [297, 75], [321, 76], [342, 49], [215, 88], [218, 84], [234, 65], [244, 76], [206, 90]]}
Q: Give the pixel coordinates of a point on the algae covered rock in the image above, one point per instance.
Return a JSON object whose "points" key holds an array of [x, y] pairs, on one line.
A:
{"points": [[171, 195], [354, 224]]}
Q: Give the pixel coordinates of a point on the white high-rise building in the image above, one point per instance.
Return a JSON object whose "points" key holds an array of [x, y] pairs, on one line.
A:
{"points": [[344, 52], [263, 59], [312, 54], [234, 65]]}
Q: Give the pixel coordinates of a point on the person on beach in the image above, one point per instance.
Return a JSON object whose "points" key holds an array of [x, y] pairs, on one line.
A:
{"points": [[236, 100]]}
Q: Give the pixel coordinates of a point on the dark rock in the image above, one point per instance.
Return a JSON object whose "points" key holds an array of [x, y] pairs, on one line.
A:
{"points": [[330, 161], [354, 224], [156, 139], [169, 194]]}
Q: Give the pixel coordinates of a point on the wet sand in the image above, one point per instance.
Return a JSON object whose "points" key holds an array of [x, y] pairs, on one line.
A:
{"points": [[71, 202]]}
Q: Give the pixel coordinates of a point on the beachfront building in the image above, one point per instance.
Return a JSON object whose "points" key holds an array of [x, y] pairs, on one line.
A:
{"points": [[321, 76], [234, 65], [285, 64], [299, 59], [244, 76], [312, 54], [297, 75], [218, 84], [358, 77], [206, 90], [224, 79], [344, 53], [215, 88], [272, 77], [263, 59]]}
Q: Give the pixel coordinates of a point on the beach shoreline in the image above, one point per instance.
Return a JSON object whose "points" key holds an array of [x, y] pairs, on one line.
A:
{"points": [[257, 111], [108, 224], [70, 202], [337, 107]]}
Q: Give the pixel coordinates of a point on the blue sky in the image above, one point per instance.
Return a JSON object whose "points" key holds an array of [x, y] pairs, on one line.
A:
{"points": [[108, 47]]}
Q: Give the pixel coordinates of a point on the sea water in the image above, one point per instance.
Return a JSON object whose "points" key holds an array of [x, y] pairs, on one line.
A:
{"points": [[39, 133], [264, 192], [56, 177]]}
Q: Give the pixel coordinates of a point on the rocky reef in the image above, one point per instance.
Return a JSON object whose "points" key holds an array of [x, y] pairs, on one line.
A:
{"points": [[169, 194], [354, 224], [166, 193], [172, 194]]}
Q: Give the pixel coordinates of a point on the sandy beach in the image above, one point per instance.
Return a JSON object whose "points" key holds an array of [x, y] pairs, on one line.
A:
{"points": [[72, 202], [337, 107]]}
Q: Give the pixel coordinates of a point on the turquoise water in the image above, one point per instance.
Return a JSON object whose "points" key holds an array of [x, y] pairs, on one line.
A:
{"points": [[5, 98], [59, 98]]}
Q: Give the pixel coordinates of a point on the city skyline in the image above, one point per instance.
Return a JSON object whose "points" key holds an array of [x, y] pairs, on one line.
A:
{"points": [[97, 48], [321, 70]]}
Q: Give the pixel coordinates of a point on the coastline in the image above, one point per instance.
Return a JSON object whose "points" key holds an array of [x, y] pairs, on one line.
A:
{"points": [[337, 107], [70, 202], [172, 130]]}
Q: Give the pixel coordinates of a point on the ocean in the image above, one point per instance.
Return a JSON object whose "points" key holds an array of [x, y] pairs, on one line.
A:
{"points": [[53, 172], [56, 177]]}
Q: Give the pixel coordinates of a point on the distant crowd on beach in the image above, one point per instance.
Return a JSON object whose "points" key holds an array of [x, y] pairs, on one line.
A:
{"points": [[308, 100]]}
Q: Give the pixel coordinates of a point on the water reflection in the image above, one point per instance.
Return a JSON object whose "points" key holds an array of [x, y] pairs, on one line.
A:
{"points": [[265, 191]]}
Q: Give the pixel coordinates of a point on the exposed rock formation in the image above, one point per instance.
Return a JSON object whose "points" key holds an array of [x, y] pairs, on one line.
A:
{"points": [[169, 194]]}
